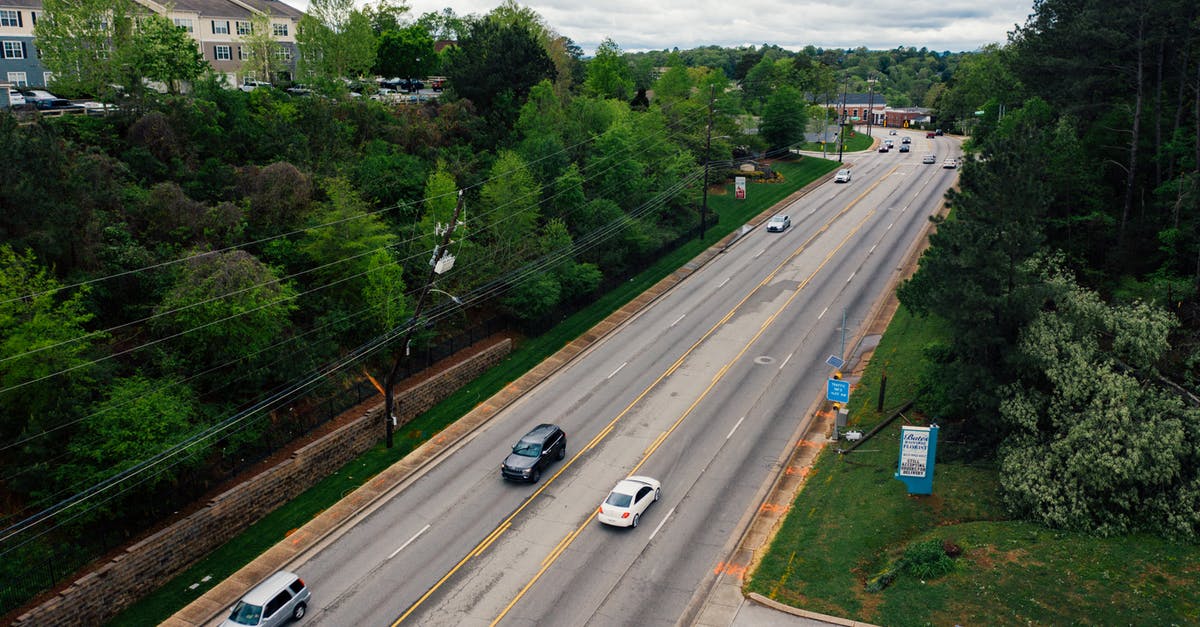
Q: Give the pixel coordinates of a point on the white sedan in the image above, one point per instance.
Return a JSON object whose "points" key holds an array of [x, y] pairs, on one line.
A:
{"points": [[628, 501]]}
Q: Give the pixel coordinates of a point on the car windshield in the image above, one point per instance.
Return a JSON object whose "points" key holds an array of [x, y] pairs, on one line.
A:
{"points": [[619, 500], [528, 449], [246, 614]]}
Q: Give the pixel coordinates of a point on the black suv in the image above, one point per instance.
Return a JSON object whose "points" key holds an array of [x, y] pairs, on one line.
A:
{"points": [[533, 452]]}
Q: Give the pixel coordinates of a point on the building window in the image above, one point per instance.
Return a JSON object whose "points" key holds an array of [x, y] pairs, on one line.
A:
{"points": [[185, 24], [18, 79], [283, 53], [220, 28], [279, 30], [244, 54], [244, 28], [10, 18], [222, 53], [14, 50]]}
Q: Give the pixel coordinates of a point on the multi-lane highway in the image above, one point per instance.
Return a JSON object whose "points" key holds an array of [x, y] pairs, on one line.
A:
{"points": [[704, 390]]}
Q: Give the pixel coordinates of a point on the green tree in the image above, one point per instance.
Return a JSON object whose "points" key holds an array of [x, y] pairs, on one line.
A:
{"points": [[608, 73], [511, 198], [342, 246], [405, 53], [976, 277], [138, 418], [335, 41], [82, 43], [263, 61], [223, 307], [44, 346], [159, 51], [784, 118], [384, 291], [1097, 445], [495, 66]]}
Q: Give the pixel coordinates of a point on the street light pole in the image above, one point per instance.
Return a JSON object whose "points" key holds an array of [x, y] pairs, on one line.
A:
{"points": [[389, 385], [842, 126]]}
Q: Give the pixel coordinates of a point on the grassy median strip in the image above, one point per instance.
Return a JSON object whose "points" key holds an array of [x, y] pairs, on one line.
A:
{"points": [[271, 529], [853, 524]]}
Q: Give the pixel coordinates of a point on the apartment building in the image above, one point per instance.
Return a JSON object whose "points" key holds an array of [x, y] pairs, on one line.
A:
{"points": [[217, 26]]}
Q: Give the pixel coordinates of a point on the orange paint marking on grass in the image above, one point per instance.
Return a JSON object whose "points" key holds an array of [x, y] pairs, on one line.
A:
{"points": [[773, 508], [804, 443]]}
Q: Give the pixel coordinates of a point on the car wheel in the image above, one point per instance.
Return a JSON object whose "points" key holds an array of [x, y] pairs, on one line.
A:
{"points": [[636, 518], [657, 491], [535, 475], [298, 613], [562, 451]]}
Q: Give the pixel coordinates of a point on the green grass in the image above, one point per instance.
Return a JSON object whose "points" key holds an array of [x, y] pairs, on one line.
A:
{"points": [[271, 529], [853, 520], [855, 143]]}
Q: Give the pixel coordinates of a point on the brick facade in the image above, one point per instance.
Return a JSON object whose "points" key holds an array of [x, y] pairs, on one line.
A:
{"points": [[144, 567]]}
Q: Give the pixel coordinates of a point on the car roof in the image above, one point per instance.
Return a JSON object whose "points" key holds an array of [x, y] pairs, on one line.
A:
{"points": [[541, 431], [631, 485], [265, 591]]}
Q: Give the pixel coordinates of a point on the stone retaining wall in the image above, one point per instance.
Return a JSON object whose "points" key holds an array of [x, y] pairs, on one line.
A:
{"points": [[146, 566]]}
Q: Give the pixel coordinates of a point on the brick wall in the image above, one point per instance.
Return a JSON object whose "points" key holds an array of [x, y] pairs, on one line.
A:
{"points": [[144, 567]]}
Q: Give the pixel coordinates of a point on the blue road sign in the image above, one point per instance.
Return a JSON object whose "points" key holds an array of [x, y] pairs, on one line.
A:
{"points": [[835, 361], [838, 391]]}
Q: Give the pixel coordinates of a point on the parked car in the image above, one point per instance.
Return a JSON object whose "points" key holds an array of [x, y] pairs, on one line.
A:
{"points": [[250, 85], [16, 100], [299, 90], [39, 98], [779, 223], [950, 163], [842, 176], [929, 159], [903, 147], [628, 501], [533, 452], [280, 598], [437, 83]]}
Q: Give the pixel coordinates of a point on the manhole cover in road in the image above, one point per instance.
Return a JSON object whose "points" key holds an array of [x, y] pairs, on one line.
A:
{"points": [[764, 360]]}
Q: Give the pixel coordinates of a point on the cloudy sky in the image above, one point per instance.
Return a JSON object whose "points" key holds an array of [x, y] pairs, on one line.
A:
{"points": [[954, 25]]}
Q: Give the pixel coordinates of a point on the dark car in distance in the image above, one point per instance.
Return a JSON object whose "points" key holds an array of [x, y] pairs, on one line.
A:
{"points": [[535, 450]]}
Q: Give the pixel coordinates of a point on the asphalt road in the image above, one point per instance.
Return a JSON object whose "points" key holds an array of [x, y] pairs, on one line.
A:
{"points": [[704, 390]]}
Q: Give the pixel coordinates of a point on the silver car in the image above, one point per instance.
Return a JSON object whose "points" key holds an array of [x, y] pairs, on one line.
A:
{"points": [[282, 597], [778, 223]]}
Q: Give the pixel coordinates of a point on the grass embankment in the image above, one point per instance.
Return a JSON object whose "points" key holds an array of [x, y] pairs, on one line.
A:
{"points": [[274, 527], [855, 142], [853, 521]]}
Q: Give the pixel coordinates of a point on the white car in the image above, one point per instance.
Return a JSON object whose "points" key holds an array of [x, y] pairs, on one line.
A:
{"points": [[628, 501], [778, 223], [950, 163], [929, 159], [252, 85], [16, 99], [843, 176]]}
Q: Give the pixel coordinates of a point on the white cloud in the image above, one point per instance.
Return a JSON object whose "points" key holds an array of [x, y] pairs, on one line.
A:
{"points": [[954, 25]]}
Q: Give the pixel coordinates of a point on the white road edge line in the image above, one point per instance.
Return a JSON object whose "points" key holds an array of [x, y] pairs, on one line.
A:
{"points": [[739, 423], [614, 372], [677, 320], [660, 525], [410, 541]]}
